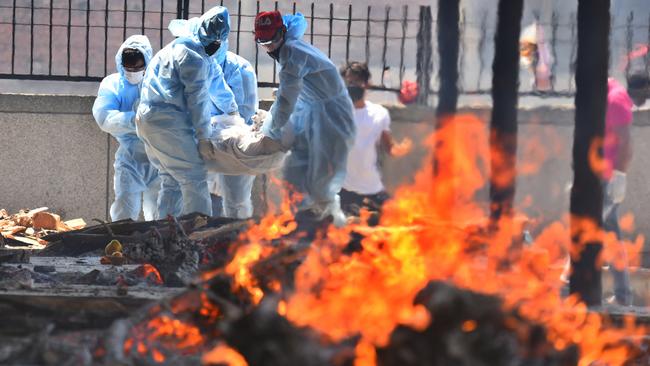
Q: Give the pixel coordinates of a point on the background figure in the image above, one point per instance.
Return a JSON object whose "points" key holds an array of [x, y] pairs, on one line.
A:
{"points": [[231, 194], [136, 181], [363, 186], [617, 153], [536, 56], [175, 113], [313, 99], [235, 190]]}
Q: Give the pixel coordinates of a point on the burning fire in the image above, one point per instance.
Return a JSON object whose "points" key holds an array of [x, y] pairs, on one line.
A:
{"points": [[430, 230], [423, 236], [149, 271], [223, 355]]}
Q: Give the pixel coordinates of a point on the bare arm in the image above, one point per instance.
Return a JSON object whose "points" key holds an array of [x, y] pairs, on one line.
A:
{"points": [[624, 155]]}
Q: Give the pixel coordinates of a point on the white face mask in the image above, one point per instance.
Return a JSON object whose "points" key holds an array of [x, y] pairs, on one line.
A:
{"points": [[134, 77]]}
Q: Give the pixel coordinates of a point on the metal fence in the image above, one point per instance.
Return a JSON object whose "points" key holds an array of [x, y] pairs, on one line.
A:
{"points": [[75, 40]]}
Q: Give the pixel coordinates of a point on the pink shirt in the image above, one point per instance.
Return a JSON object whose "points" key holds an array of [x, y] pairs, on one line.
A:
{"points": [[619, 113]]}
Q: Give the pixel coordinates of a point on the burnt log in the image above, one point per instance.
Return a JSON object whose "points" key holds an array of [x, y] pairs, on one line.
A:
{"points": [[503, 122], [586, 204]]}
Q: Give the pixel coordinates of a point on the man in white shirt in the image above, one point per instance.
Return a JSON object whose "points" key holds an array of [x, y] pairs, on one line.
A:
{"points": [[362, 186]]}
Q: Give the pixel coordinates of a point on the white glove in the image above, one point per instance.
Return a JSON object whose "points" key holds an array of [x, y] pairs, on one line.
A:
{"points": [[227, 120], [616, 186], [206, 149]]}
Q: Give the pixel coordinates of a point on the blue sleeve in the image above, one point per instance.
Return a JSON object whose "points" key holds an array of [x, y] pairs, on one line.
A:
{"points": [[243, 82], [290, 86], [106, 110], [250, 102], [193, 72], [221, 94]]}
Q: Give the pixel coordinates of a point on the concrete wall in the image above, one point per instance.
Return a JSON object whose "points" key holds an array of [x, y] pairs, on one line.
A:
{"points": [[53, 154]]}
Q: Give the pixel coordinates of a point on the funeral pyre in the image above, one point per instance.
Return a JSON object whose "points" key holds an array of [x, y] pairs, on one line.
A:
{"points": [[427, 285]]}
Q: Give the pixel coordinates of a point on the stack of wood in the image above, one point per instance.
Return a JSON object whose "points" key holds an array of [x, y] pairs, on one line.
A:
{"points": [[29, 226]]}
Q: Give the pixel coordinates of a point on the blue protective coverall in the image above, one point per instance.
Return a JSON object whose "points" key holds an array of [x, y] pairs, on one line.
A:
{"points": [[174, 113], [313, 101], [239, 76], [136, 181]]}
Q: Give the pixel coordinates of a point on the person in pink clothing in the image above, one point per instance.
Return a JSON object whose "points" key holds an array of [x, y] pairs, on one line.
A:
{"points": [[617, 152]]}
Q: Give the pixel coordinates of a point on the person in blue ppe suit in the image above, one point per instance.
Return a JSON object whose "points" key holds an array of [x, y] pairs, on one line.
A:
{"points": [[136, 181], [312, 115], [174, 113], [238, 74]]}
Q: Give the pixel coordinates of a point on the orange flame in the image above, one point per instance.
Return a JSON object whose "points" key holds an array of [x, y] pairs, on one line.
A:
{"points": [[272, 226], [223, 355], [424, 236], [151, 272]]}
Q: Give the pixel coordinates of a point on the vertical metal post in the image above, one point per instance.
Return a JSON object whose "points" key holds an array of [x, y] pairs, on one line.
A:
{"points": [[108, 174], [87, 35], [162, 21], [186, 9], [368, 34], [555, 23], [383, 53], [329, 40], [238, 23], [311, 24], [69, 32], [13, 37], [179, 9], [481, 48], [31, 41], [405, 18], [424, 65], [202, 6], [50, 55], [448, 30], [293, 8], [106, 39], [647, 57], [144, 15], [274, 63], [461, 50], [347, 38], [257, 48], [629, 35], [126, 10], [572, 57]]}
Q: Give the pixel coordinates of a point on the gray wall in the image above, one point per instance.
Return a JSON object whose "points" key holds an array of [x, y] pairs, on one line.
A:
{"points": [[53, 154]]}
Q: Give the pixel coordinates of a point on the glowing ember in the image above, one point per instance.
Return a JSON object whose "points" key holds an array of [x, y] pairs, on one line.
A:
{"points": [[223, 355], [149, 271]]}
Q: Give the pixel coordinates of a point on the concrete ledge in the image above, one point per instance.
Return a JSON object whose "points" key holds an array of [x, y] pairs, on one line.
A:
{"points": [[45, 104]]}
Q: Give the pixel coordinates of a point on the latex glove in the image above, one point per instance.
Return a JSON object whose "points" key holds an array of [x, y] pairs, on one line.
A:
{"points": [[268, 130], [258, 119], [616, 186], [227, 120], [206, 149]]}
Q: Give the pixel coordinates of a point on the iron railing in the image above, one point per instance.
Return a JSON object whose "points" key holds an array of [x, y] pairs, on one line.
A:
{"points": [[75, 40]]}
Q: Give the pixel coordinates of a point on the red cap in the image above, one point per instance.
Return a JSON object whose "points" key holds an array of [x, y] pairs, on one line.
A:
{"points": [[267, 24]]}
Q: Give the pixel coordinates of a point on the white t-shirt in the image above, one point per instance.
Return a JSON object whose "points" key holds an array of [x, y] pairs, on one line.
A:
{"points": [[363, 176]]}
